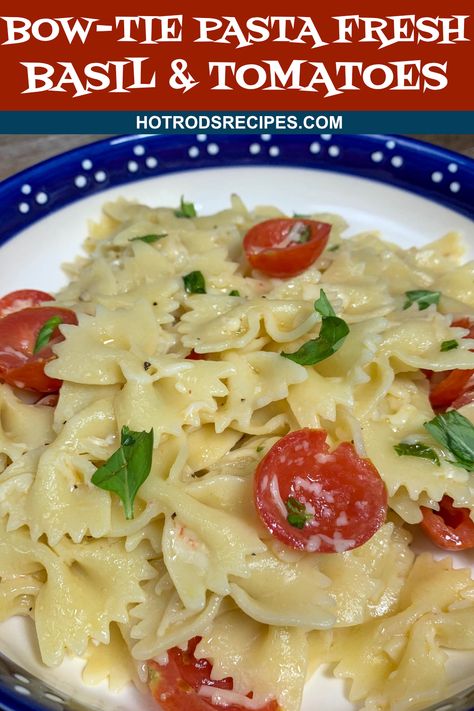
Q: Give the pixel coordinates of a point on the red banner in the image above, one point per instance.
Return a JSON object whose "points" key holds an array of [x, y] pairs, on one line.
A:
{"points": [[259, 56]]}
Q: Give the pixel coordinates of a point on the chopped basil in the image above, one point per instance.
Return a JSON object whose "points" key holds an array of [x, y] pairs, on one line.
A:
{"points": [[301, 215], [234, 292], [185, 209], [126, 470], [297, 514], [422, 297], [194, 283], [334, 248], [149, 239], [323, 306], [45, 332], [449, 345], [331, 336], [417, 449], [260, 448], [456, 433], [304, 234]]}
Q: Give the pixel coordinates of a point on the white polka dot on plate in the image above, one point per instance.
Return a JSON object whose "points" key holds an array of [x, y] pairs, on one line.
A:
{"points": [[377, 156], [21, 678], [41, 198], [266, 136], [326, 136], [132, 166], [274, 151], [26, 189], [86, 164], [255, 148], [213, 149], [22, 690], [139, 150], [201, 137], [53, 697], [455, 187], [100, 176], [315, 147], [334, 151], [24, 207], [437, 176], [193, 152], [151, 162], [453, 168], [80, 181], [397, 161], [390, 145]]}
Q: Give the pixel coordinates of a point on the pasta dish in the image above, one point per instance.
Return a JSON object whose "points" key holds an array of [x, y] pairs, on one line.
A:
{"points": [[217, 443]]}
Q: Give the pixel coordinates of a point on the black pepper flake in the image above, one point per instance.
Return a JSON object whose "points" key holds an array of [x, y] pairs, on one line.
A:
{"points": [[30, 609], [146, 365], [242, 399], [173, 515], [155, 303]]}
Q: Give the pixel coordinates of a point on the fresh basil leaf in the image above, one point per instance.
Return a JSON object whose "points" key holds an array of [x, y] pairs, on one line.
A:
{"points": [[456, 433], [304, 234], [45, 332], [126, 470], [185, 209], [297, 514], [417, 449], [323, 305], [334, 248], [301, 215], [422, 297], [234, 292], [149, 239], [331, 336], [260, 448], [194, 283], [449, 345]]}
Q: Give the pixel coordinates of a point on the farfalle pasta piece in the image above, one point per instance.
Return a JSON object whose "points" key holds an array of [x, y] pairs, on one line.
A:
{"points": [[269, 661]]}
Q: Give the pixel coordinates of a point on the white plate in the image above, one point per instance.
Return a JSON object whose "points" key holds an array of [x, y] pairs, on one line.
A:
{"points": [[32, 260]]}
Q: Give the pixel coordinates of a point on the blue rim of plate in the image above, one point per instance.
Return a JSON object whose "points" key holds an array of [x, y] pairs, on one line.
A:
{"points": [[440, 175], [445, 177]]}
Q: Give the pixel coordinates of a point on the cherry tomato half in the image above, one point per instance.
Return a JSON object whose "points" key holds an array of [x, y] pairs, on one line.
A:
{"points": [[22, 299], [450, 528], [316, 500], [455, 388], [19, 366], [195, 356], [285, 247], [175, 685]]}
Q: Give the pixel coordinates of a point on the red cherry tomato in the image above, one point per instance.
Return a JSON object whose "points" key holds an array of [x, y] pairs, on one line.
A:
{"points": [[19, 366], [285, 247], [455, 388], [341, 498], [175, 685], [450, 528], [195, 356], [22, 299]]}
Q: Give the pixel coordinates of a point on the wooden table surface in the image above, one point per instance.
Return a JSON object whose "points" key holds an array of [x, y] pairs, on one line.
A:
{"points": [[20, 151]]}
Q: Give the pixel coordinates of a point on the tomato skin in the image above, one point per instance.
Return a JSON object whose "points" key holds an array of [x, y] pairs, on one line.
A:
{"points": [[343, 492], [449, 528], [454, 390], [175, 685], [195, 356], [261, 245], [22, 299], [19, 366]]}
